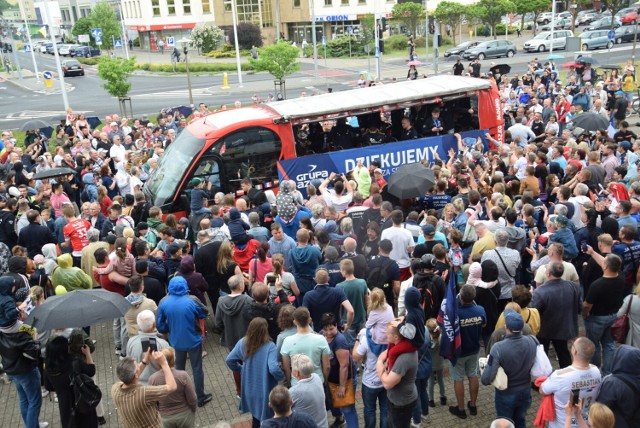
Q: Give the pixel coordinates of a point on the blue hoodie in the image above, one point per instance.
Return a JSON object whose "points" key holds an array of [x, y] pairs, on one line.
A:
{"points": [[565, 237], [412, 327], [304, 262], [8, 311], [616, 394], [179, 315], [90, 192]]}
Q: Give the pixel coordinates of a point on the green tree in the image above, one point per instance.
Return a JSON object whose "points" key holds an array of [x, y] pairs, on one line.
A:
{"points": [[450, 13], [115, 72], [207, 37], [530, 6], [248, 35], [102, 16], [279, 59], [5, 5], [409, 14], [367, 33], [492, 11]]}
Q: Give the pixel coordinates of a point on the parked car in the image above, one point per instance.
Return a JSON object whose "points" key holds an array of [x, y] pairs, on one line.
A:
{"points": [[602, 24], [43, 48], [493, 48], [629, 18], [84, 51], [624, 11], [64, 50], [72, 67], [557, 25], [542, 42], [458, 50], [49, 49], [544, 18], [595, 39], [587, 18], [625, 34]]}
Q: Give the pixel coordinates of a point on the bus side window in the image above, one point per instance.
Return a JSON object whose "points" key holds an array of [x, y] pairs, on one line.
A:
{"points": [[251, 152]]}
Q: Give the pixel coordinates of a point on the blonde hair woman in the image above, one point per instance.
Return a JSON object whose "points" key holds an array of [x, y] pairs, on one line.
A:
{"points": [[380, 314]]}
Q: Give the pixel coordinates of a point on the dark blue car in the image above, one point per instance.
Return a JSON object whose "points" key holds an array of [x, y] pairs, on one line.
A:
{"points": [[84, 51]]}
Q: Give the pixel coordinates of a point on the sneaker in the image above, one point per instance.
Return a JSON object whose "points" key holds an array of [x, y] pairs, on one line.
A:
{"points": [[118, 350], [443, 401], [432, 403], [473, 410], [206, 399], [337, 423], [55, 397], [426, 419], [44, 393], [43, 424], [102, 420], [414, 425], [454, 410], [204, 354]]}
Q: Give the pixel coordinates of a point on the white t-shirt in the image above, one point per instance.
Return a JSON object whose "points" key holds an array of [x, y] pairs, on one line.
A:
{"points": [[133, 182], [569, 274], [340, 203], [401, 239], [560, 384], [370, 378], [118, 152], [520, 166]]}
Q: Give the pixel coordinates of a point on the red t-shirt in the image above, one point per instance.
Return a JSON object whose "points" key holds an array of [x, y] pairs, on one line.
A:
{"points": [[76, 232], [106, 283], [244, 256]]}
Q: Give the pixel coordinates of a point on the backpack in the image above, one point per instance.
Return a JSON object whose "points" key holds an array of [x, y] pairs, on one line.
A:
{"points": [[489, 271], [377, 277], [86, 394]]}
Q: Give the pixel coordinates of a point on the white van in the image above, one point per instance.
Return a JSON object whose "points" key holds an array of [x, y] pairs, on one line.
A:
{"points": [[542, 42]]}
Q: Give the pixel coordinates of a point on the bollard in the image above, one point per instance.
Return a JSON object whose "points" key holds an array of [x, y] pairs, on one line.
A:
{"points": [[225, 81]]}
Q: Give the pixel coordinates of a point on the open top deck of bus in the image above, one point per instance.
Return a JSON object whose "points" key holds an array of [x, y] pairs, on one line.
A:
{"points": [[367, 100]]}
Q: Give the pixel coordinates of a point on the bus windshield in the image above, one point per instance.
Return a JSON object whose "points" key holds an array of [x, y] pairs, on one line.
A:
{"points": [[162, 184]]}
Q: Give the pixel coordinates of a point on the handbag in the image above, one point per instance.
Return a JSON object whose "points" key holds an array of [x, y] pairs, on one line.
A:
{"points": [[501, 381], [349, 398], [541, 365], [620, 328]]}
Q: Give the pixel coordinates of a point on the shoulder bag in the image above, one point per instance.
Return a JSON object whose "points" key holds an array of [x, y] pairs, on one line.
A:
{"points": [[620, 328]]}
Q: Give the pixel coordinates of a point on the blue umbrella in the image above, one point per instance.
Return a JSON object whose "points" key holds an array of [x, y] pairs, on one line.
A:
{"points": [[183, 110], [94, 121], [46, 131], [555, 56]]}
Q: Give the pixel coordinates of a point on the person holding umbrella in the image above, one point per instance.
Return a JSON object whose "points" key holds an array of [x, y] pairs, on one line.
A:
{"points": [[412, 74]]}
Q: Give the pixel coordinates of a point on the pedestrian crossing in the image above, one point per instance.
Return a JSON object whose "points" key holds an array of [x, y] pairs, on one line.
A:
{"points": [[197, 92]]}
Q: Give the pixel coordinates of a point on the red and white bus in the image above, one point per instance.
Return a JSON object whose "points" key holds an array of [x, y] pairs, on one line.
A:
{"points": [[226, 146]]}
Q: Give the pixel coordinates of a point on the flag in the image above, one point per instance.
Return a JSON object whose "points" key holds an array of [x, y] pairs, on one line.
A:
{"points": [[448, 319], [43, 31]]}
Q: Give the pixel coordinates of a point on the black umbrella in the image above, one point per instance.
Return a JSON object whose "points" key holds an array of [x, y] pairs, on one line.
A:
{"points": [[411, 181], [610, 67], [53, 172], [94, 121], [590, 121], [500, 69], [78, 308], [587, 60], [34, 124]]}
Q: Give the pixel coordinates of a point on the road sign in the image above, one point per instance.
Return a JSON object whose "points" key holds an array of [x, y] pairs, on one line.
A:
{"points": [[117, 43], [47, 75], [349, 29], [27, 48], [171, 41], [324, 41], [83, 38], [97, 35], [611, 34]]}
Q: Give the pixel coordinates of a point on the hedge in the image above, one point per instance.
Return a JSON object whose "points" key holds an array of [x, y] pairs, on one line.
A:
{"points": [[195, 67]]}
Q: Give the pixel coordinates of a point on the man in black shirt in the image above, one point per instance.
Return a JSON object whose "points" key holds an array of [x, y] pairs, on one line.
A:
{"points": [[538, 127], [458, 68], [624, 134], [408, 131], [600, 310], [619, 111]]}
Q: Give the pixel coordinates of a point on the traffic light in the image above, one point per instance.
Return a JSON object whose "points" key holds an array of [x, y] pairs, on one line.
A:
{"points": [[383, 23]]}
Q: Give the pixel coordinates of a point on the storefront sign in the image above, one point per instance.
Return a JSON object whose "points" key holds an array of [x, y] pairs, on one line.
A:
{"points": [[334, 18], [143, 28]]}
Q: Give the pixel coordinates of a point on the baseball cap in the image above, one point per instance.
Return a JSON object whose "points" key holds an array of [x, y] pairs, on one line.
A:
{"points": [[428, 229], [114, 123], [625, 144], [513, 320], [196, 181], [620, 93], [561, 221], [428, 261]]}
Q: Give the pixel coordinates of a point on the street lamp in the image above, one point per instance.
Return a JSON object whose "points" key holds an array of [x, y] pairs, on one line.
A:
{"points": [[185, 48]]}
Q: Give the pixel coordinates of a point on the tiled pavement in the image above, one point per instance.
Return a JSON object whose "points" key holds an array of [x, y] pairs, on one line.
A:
{"points": [[218, 380]]}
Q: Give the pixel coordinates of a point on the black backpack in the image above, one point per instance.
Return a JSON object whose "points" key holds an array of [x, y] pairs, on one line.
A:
{"points": [[489, 271], [377, 277], [86, 394]]}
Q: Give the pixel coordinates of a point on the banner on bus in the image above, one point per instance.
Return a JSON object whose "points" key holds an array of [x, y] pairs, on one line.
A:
{"points": [[391, 156]]}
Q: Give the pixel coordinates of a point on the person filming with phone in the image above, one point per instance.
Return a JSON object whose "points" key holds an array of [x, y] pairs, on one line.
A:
{"points": [[146, 339]]}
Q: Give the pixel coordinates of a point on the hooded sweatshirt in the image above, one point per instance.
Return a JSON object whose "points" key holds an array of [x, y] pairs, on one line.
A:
{"points": [[412, 327], [179, 316], [304, 262], [230, 319], [90, 192], [50, 253], [237, 228], [616, 394], [8, 311], [517, 237], [195, 281], [71, 278]]}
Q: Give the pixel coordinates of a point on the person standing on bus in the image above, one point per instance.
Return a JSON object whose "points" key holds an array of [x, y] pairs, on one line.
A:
{"points": [[434, 125], [408, 131]]}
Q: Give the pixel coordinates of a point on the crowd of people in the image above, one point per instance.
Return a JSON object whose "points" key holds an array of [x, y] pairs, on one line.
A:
{"points": [[341, 287]]}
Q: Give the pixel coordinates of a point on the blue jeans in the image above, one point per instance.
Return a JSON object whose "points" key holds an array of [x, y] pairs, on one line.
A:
{"points": [[30, 396], [439, 376], [598, 330], [422, 406], [513, 405], [352, 334], [195, 356], [369, 397]]}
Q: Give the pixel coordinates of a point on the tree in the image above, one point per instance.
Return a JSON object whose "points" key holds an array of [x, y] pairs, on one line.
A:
{"points": [[102, 16], [574, 10], [368, 29], [279, 59], [450, 13], [409, 14], [248, 35], [5, 5], [614, 7], [492, 11], [207, 37], [115, 72], [530, 6]]}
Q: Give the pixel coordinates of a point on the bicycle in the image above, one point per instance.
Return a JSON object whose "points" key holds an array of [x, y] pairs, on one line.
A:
{"points": [[635, 104]]}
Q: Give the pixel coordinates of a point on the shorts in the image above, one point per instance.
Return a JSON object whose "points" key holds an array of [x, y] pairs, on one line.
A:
{"points": [[465, 366]]}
